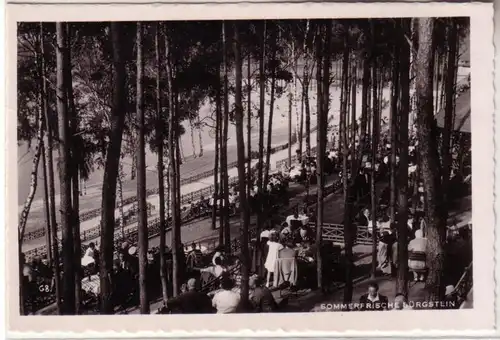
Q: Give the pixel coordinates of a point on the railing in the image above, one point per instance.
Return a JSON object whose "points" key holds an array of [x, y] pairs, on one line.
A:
{"points": [[88, 234], [39, 233], [186, 198], [335, 233], [154, 225]]}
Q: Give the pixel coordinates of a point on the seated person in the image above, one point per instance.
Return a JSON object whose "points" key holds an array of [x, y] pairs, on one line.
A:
{"points": [[261, 298], [373, 301], [191, 301], [226, 301]]}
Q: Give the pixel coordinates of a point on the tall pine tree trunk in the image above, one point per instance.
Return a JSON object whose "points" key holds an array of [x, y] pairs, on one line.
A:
{"points": [[46, 206], [301, 125], [308, 115], [27, 203], [75, 163], [65, 174], [119, 192], [111, 167], [319, 154], [449, 107], [348, 199], [374, 145], [174, 204], [200, 137], [240, 145], [365, 103], [216, 161], [402, 220], [271, 111], [160, 135], [43, 112], [142, 217], [262, 107], [394, 129], [429, 161], [50, 177], [249, 126], [193, 144], [225, 179]]}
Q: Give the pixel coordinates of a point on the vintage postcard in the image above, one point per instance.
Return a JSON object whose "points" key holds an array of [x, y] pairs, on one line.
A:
{"points": [[294, 166]]}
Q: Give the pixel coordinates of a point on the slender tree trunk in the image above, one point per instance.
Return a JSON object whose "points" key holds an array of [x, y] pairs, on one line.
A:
{"points": [[75, 161], [43, 109], [48, 240], [262, 102], [76, 236], [428, 148], [271, 112], [348, 203], [364, 101], [353, 119], [142, 220], [193, 144], [308, 116], [301, 127], [133, 166], [200, 137], [394, 129], [111, 168], [240, 144], [295, 101], [449, 107], [119, 189], [161, 169], [320, 112], [221, 158], [402, 220], [290, 106], [64, 174], [50, 178], [27, 204], [225, 208], [173, 169], [374, 145], [324, 79], [216, 161], [249, 126]]}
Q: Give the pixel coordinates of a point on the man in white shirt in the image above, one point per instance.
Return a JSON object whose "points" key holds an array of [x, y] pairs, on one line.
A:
{"points": [[226, 301]]}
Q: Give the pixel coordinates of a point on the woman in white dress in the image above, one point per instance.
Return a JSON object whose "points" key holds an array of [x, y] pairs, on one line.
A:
{"points": [[272, 254]]}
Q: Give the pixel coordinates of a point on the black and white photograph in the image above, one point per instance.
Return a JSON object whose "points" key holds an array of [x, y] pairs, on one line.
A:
{"points": [[259, 166]]}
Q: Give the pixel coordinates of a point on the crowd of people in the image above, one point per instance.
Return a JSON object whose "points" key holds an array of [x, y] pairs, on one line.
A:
{"points": [[283, 255]]}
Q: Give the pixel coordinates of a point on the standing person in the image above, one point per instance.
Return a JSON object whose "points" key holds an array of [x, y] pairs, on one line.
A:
{"points": [[384, 252], [416, 256], [272, 255], [226, 301], [92, 252]]}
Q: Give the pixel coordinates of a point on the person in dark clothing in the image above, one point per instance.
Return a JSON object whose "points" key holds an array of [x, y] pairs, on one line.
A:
{"points": [[191, 301], [261, 298], [373, 301]]}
